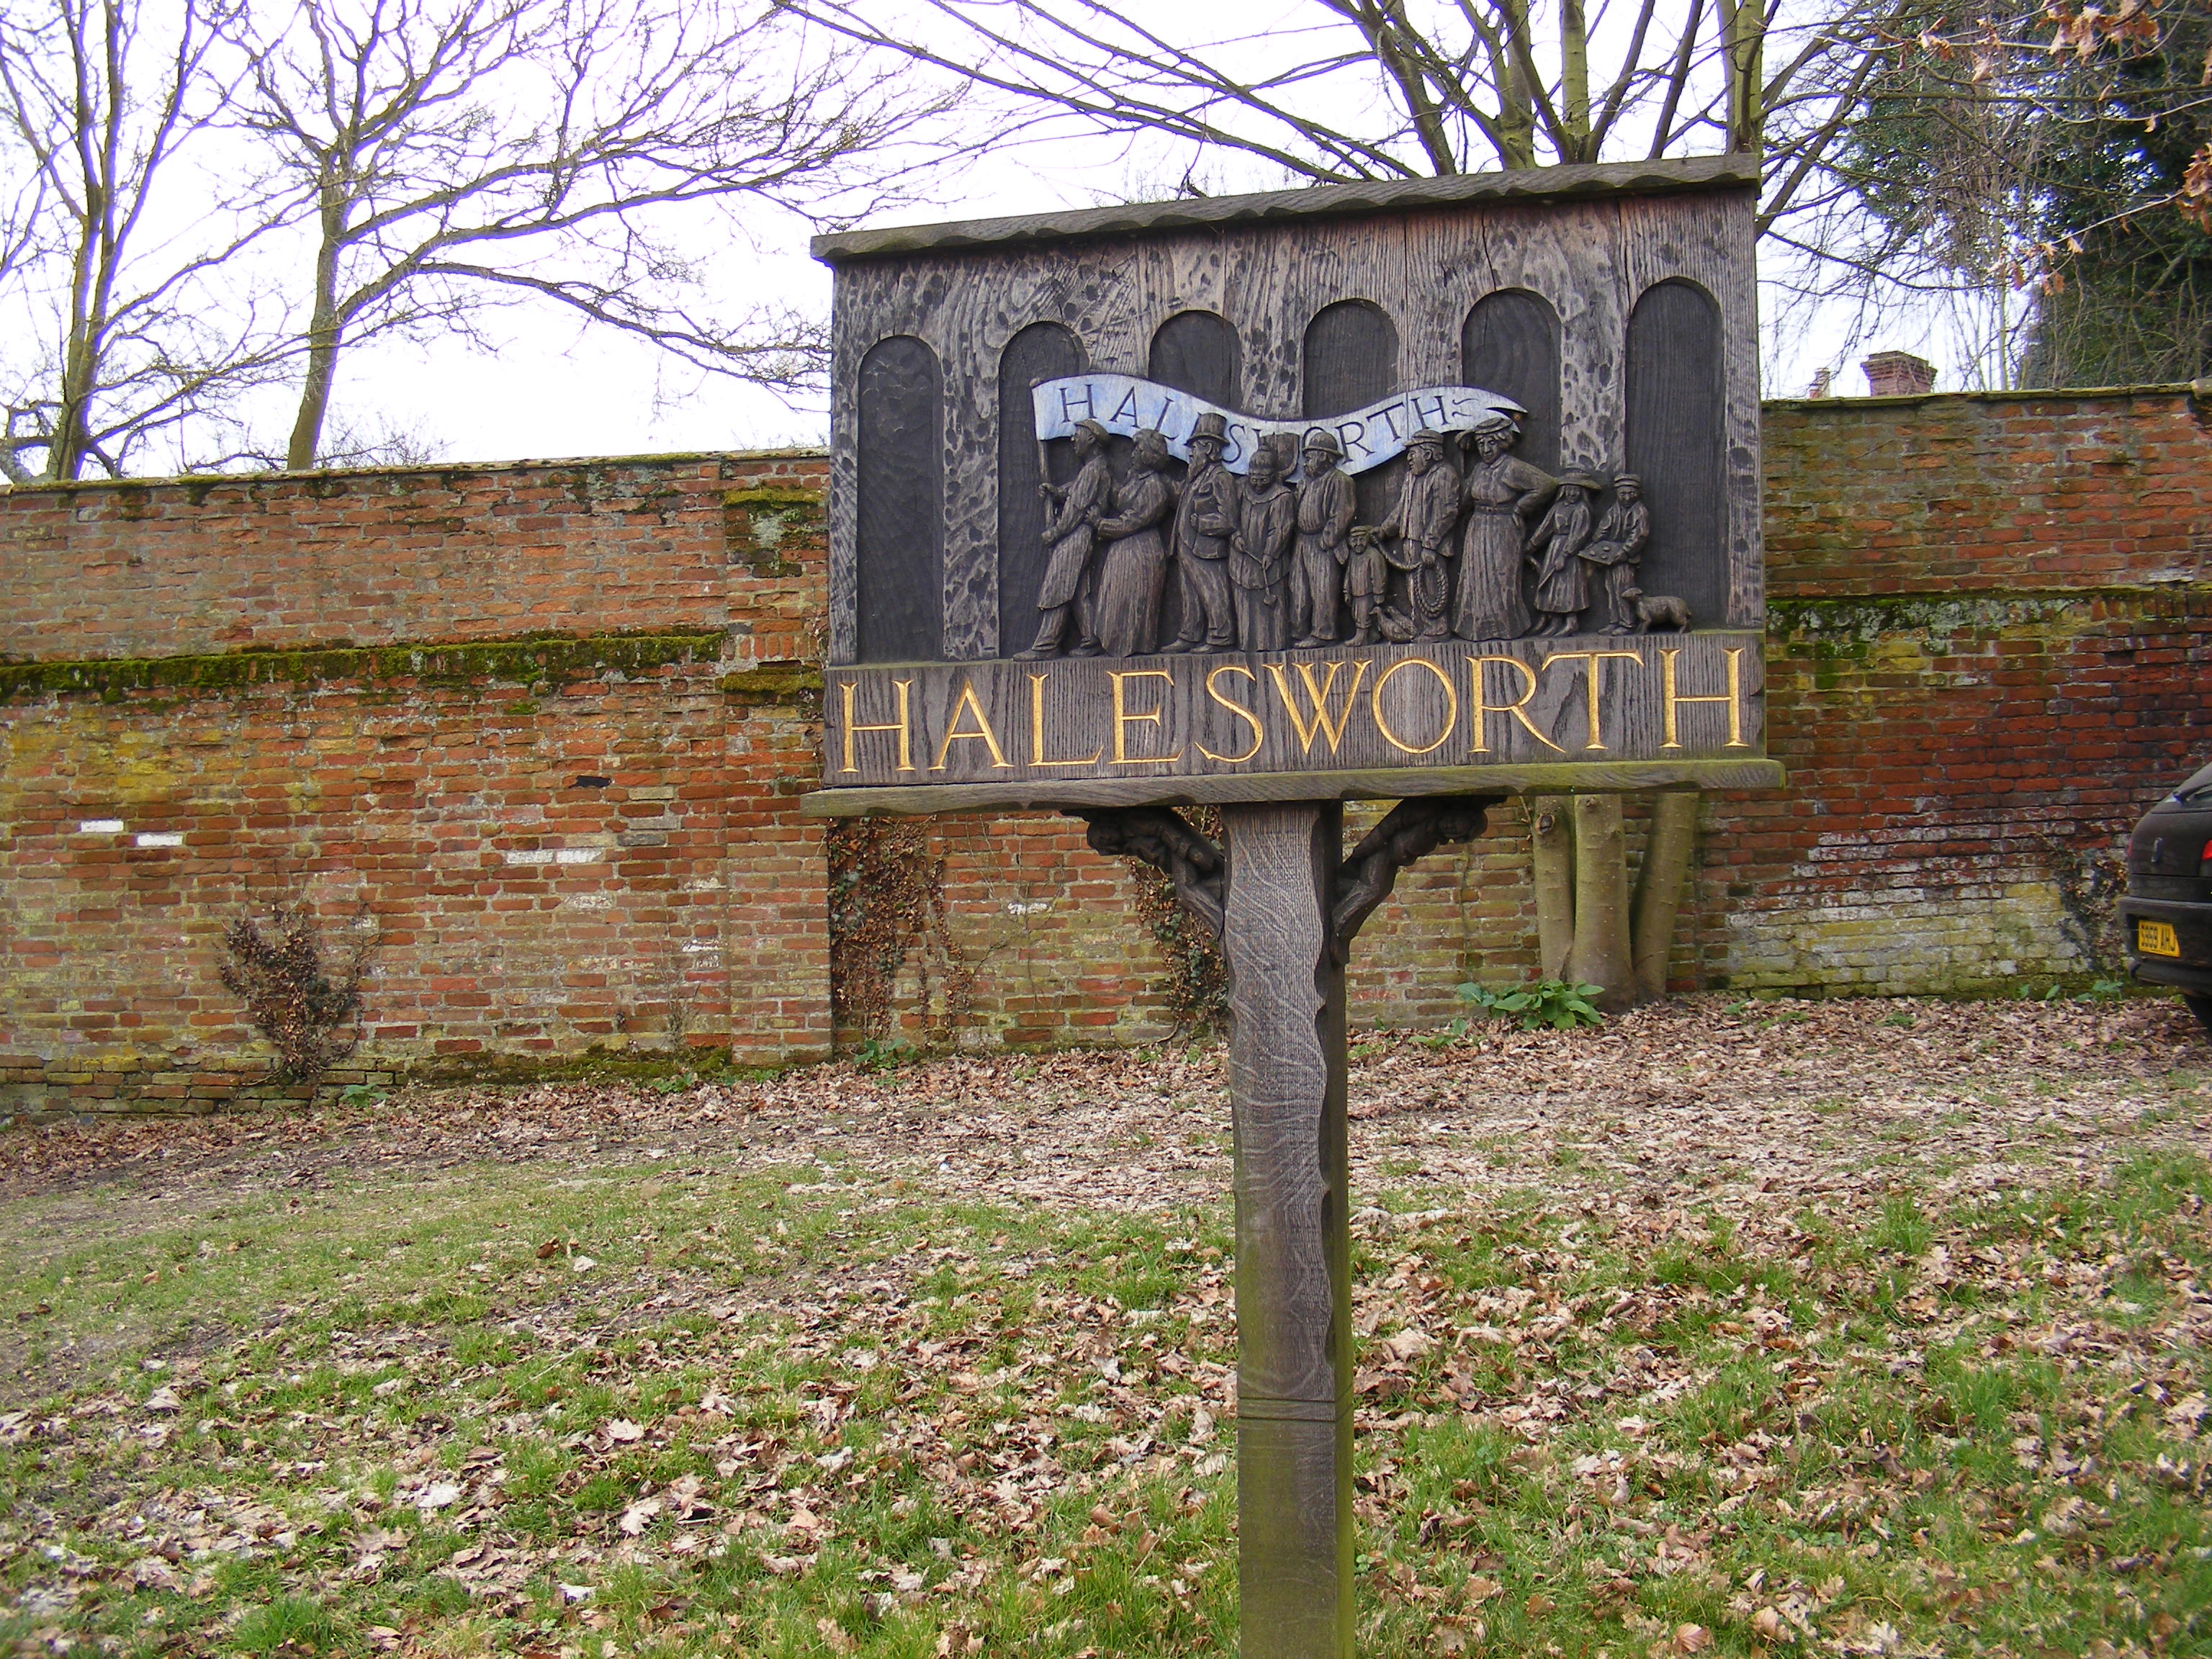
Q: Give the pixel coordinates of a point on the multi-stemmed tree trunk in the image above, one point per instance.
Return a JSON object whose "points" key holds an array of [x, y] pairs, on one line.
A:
{"points": [[1588, 930]]}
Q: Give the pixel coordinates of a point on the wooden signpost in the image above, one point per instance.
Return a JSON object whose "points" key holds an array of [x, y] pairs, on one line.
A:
{"points": [[1436, 491]]}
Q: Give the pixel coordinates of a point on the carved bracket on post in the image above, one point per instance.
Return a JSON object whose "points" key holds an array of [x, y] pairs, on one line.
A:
{"points": [[1413, 830], [1163, 840]]}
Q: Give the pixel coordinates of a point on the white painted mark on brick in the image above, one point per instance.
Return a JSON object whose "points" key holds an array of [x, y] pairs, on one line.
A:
{"points": [[556, 855], [1027, 907], [158, 838], [100, 827]]}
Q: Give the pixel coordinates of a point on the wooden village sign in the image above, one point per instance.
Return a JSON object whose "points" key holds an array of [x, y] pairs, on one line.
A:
{"points": [[1436, 491]]}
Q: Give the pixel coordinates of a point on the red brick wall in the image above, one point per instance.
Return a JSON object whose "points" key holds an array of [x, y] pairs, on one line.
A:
{"points": [[171, 567], [430, 793], [1985, 492], [1991, 632]]}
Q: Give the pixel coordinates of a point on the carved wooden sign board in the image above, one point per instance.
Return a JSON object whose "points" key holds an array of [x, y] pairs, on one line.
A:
{"points": [[1433, 490], [1426, 487]]}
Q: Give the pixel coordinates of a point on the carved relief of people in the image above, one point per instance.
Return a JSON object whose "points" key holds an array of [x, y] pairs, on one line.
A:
{"points": [[1327, 502], [1615, 550], [1416, 537], [1068, 597], [1503, 492], [1133, 568], [1561, 590], [1259, 553], [1205, 518]]}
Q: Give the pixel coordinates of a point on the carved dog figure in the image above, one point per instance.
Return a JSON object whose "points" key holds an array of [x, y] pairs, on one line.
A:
{"points": [[1652, 611]]}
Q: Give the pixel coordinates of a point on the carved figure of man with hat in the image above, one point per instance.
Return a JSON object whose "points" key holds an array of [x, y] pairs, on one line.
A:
{"points": [[1561, 590], [1503, 493], [1206, 518], [1068, 590], [1326, 502], [1416, 537], [1259, 553], [1615, 551]]}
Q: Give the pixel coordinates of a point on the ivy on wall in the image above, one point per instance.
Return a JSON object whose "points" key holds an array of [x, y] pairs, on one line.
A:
{"points": [[887, 910], [1198, 974]]}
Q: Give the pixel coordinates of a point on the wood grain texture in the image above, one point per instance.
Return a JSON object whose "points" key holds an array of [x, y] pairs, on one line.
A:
{"points": [[1677, 443], [1380, 784], [1294, 1542], [1510, 344], [1321, 202], [1287, 1090], [1042, 351], [898, 538], [1588, 257]]}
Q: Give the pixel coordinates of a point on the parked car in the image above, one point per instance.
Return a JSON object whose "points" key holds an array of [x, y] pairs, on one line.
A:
{"points": [[2167, 911]]}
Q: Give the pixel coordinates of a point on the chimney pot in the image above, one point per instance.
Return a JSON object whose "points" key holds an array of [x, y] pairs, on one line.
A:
{"points": [[1899, 374]]}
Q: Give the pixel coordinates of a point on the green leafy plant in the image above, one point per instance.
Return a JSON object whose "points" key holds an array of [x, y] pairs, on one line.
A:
{"points": [[882, 1054], [1553, 1002], [361, 1094]]}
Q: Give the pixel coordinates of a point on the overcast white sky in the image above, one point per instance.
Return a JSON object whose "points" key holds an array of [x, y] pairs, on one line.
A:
{"points": [[553, 389]]}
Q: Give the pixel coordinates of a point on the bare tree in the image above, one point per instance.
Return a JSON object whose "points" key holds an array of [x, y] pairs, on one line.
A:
{"points": [[452, 153], [1440, 88], [114, 339]]}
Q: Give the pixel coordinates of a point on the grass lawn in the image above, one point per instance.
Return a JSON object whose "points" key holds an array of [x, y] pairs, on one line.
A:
{"points": [[1732, 1329]]}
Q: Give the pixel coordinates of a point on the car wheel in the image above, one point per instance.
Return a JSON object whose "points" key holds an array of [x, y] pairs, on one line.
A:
{"points": [[2202, 1007]]}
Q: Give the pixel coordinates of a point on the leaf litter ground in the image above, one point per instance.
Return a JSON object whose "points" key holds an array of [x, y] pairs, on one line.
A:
{"points": [[1871, 1327]]}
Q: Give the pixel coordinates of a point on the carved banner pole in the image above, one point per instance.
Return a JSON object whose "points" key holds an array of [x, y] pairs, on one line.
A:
{"points": [[1285, 902]]}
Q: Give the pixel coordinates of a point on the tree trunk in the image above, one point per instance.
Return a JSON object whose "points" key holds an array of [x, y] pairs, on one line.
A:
{"points": [[1574, 79], [1667, 856], [1743, 24], [1601, 956], [315, 400], [1552, 858], [325, 330]]}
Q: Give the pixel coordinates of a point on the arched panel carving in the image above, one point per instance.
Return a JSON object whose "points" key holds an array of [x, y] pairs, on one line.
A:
{"points": [[1510, 344], [1042, 351], [899, 524], [1198, 352], [1677, 439], [1350, 357]]}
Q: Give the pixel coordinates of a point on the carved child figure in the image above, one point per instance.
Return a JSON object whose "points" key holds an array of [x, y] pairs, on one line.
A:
{"points": [[1613, 553], [1327, 502], [1560, 592], [1259, 552], [1067, 592]]}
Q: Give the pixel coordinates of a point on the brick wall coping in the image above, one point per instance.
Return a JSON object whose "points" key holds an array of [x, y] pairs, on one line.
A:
{"points": [[428, 469], [2198, 389]]}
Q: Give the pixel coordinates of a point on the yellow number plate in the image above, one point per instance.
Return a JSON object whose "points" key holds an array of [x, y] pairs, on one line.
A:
{"points": [[2157, 938]]}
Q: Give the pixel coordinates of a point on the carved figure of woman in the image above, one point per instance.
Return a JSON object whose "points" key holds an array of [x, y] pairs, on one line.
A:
{"points": [[1133, 567], [1503, 493], [1065, 595], [1260, 551], [1562, 585]]}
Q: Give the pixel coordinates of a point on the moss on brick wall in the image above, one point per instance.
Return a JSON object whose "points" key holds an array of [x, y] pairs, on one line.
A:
{"points": [[556, 659]]}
